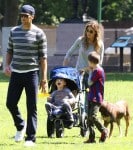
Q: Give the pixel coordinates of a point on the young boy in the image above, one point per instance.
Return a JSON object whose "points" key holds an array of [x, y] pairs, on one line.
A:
{"points": [[62, 97], [95, 97]]}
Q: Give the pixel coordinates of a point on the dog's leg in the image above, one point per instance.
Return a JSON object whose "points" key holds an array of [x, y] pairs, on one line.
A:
{"points": [[127, 123], [106, 124], [111, 129], [120, 131]]}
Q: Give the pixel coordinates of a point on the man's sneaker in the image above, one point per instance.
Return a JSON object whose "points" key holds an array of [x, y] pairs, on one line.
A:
{"points": [[29, 143], [90, 141], [51, 118], [104, 135], [20, 134]]}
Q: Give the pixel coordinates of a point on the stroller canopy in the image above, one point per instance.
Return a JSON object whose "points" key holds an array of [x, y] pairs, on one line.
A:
{"points": [[70, 74]]}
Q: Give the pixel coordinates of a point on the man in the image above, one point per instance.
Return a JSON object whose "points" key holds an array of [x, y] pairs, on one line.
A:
{"points": [[27, 48]]}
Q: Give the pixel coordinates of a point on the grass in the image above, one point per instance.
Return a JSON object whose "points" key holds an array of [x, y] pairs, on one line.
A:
{"points": [[117, 87]]}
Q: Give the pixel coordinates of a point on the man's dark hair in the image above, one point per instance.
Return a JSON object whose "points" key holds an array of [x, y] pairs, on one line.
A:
{"points": [[94, 57]]}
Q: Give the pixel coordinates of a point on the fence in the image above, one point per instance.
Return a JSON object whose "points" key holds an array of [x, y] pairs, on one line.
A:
{"points": [[60, 39]]}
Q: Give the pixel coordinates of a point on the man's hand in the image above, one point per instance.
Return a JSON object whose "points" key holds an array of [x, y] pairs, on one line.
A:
{"points": [[7, 71], [43, 86]]}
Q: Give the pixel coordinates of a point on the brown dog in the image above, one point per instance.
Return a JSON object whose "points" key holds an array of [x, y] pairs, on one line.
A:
{"points": [[114, 113]]}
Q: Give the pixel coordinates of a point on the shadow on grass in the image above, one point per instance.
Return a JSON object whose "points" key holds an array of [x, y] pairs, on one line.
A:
{"points": [[109, 77], [6, 144], [119, 76], [54, 140], [57, 143]]}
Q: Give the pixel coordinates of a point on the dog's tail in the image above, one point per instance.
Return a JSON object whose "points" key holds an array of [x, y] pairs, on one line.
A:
{"points": [[128, 115], [127, 119]]}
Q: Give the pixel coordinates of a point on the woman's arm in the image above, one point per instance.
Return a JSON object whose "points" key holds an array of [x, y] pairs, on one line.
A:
{"points": [[70, 52]]}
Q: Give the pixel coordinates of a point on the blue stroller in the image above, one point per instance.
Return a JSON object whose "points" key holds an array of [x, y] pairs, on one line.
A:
{"points": [[59, 123]]}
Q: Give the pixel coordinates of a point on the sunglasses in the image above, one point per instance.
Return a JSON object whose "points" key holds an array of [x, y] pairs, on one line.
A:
{"points": [[90, 31], [24, 16]]}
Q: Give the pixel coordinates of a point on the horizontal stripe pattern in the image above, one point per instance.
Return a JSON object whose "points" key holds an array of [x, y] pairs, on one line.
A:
{"points": [[27, 46]]}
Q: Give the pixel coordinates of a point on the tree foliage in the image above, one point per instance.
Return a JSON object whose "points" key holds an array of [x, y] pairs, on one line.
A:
{"points": [[55, 11], [9, 9], [117, 10], [50, 11]]}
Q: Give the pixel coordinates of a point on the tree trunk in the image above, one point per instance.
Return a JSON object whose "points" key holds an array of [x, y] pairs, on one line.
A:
{"points": [[10, 13], [93, 8]]}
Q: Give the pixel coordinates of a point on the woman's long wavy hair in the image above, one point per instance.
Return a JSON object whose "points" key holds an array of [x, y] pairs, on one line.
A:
{"points": [[98, 28]]}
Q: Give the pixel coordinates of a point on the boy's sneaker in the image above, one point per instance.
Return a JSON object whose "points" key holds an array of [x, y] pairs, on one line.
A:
{"points": [[90, 141], [20, 134], [104, 135], [29, 143]]}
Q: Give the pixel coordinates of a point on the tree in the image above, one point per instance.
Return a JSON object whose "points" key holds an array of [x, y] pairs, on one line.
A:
{"points": [[55, 11], [50, 11], [117, 10], [9, 9], [92, 4]]}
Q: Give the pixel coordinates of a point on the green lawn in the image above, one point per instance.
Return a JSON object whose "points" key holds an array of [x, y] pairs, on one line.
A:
{"points": [[117, 87]]}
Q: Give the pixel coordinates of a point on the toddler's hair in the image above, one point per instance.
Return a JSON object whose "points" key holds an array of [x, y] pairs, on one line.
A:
{"points": [[94, 57]]}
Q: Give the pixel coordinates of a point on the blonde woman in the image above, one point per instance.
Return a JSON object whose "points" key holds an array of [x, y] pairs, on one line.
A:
{"points": [[92, 40]]}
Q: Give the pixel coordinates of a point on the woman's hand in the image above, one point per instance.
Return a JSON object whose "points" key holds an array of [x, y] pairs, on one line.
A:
{"points": [[83, 70], [65, 62]]}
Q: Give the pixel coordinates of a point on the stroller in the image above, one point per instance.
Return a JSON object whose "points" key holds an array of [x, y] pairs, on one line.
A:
{"points": [[59, 123]]}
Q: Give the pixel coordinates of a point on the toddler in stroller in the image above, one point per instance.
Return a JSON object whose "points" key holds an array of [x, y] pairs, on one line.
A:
{"points": [[64, 107], [61, 100]]}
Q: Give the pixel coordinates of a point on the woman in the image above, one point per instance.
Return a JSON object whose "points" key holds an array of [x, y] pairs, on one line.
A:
{"points": [[92, 40]]}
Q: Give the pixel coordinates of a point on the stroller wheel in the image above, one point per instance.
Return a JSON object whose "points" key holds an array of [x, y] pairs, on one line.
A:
{"points": [[83, 125], [50, 128], [59, 128]]}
